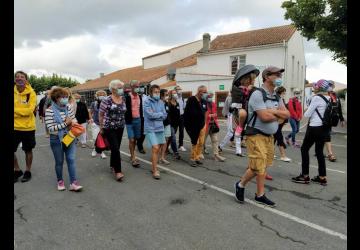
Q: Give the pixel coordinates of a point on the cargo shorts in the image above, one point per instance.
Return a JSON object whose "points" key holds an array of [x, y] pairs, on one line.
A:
{"points": [[260, 150]]}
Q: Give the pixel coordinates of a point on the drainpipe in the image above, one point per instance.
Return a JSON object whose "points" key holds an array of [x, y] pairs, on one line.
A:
{"points": [[285, 62]]}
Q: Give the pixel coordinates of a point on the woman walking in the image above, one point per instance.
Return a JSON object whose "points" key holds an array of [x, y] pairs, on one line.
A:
{"points": [[154, 115], [58, 119], [167, 128], [112, 122], [175, 119], [94, 113], [82, 116]]}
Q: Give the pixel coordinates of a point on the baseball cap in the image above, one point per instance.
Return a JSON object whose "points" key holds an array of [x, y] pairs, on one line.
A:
{"points": [[271, 70], [323, 85]]}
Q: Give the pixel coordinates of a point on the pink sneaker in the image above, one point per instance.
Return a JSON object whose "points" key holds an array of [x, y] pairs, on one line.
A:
{"points": [[75, 186], [238, 131], [61, 185]]}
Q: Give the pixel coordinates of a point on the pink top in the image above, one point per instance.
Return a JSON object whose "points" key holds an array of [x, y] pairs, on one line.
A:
{"points": [[135, 105]]}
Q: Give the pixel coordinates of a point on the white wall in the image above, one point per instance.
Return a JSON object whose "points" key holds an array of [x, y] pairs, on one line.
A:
{"points": [[295, 48], [156, 61], [160, 80], [185, 51], [190, 82]]}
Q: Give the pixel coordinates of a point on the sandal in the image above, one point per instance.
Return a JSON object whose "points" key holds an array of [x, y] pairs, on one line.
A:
{"points": [[156, 175], [119, 176], [332, 158], [135, 163]]}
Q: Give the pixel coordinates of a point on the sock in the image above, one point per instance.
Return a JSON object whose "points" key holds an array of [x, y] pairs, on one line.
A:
{"points": [[240, 185], [259, 195]]}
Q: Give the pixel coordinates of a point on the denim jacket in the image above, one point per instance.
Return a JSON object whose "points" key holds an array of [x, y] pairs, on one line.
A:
{"points": [[154, 114]]}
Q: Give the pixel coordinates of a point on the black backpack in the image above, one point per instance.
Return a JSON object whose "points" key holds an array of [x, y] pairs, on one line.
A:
{"points": [[331, 115]]}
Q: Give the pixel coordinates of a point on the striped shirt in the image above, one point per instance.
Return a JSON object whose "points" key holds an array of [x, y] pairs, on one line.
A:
{"points": [[52, 125]]}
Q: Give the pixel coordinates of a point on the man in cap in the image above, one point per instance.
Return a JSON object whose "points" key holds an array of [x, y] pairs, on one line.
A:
{"points": [[264, 111]]}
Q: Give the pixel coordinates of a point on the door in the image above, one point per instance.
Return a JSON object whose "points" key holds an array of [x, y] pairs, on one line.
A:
{"points": [[220, 101]]}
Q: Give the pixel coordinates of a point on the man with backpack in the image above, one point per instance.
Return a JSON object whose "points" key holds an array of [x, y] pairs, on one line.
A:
{"points": [[320, 114], [295, 109], [264, 110], [336, 104]]}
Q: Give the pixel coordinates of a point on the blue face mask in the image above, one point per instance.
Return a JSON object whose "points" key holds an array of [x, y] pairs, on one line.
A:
{"points": [[142, 90], [204, 96], [156, 97], [64, 101], [120, 91], [278, 82], [137, 90], [210, 99]]}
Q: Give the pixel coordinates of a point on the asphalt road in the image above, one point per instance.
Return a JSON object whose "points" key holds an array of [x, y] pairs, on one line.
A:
{"points": [[189, 208]]}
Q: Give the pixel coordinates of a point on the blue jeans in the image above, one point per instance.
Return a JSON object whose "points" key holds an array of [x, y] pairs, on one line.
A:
{"points": [[58, 152], [295, 125], [173, 140]]}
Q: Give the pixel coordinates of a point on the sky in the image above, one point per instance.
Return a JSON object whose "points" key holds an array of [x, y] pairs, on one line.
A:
{"points": [[83, 38]]}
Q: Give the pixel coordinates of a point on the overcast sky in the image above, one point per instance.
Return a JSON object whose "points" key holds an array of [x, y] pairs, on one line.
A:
{"points": [[81, 38]]}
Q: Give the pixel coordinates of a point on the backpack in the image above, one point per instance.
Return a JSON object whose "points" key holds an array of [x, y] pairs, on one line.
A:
{"points": [[27, 100], [250, 129], [331, 115]]}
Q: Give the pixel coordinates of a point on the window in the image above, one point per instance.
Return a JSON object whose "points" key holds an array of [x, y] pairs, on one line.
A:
{"points": [[237, 62]]}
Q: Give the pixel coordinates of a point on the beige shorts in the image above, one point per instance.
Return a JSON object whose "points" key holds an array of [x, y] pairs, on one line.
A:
{"points": [[260, 149]]}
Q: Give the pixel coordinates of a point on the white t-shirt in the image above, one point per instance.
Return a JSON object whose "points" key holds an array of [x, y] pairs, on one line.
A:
{"points": [[316, 103]]}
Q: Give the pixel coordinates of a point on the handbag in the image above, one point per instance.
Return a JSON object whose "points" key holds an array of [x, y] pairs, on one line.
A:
{"points": [[101, 143], [213, 127], [76, 130]]}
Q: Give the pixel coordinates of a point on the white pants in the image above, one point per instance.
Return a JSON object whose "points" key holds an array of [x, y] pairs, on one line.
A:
{"points": [[82, 137], [229, 134], [95, 129]]}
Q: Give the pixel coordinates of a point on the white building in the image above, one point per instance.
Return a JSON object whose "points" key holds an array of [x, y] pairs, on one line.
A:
{"points": [[214, 63]]}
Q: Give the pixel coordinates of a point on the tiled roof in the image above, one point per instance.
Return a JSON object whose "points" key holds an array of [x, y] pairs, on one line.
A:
{"points": [[253, 38], [135, 73]]}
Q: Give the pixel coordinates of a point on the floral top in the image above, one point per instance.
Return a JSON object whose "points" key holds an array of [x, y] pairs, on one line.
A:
{"points": [[114, 114]]}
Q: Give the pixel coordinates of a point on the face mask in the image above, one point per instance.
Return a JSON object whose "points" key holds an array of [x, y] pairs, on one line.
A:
{"points": [[174, 96], [156, 97], [278, 82], [101, 98], [120, 91], [142, 90], [77, 100], [64, 101], [137, 90], [166, 98], [209, 99], [297, 96], [204, 96], [20, 82]]}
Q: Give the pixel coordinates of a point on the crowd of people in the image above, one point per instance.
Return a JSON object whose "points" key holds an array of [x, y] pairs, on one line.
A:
{"points": [[255, 119]]}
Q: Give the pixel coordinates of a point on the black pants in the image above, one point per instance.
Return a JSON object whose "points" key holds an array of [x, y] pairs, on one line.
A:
{"points": [[314, 135], [114, 137], [181, 131], [278, 136]]}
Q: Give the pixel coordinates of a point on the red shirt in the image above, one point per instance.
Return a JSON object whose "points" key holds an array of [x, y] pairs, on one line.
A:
{"points": [[297, 112], [211, 110]]}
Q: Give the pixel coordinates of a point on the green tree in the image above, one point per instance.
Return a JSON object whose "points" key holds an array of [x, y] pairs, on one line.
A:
{"points": [[322, 20], [44, 82]]}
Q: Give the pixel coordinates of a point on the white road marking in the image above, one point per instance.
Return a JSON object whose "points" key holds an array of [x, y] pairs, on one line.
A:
{"points": [[299, 163], [273, 210]]}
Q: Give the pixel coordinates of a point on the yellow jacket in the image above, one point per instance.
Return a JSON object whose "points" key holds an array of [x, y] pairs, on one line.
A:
{"points": [[24, 119]]}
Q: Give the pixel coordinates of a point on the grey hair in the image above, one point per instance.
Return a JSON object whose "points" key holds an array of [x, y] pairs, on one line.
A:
{"points": [[115, 82], [201, 87], [132, 82]]}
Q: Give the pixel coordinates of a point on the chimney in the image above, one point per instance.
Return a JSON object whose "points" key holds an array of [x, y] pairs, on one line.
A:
{"points": [[206, 43], [102, 75]]}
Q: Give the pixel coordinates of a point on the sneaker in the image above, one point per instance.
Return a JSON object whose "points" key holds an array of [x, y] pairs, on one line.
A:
{"points": [[301, 179], [182, 149], [17, 174], [103, 155], [286, 159], [142, 151], [193, 164], [241, 155], [233, 145], [206, 151], [239, 192], [61, 185], [268, 177], [93, 153], [75, 186], [198, 162], [177, 156], [156, 175], [320, 181], [201, 157], [219, 158], [264, 200], [163, 161], [26, 177], [83, 145], [220, 149]]}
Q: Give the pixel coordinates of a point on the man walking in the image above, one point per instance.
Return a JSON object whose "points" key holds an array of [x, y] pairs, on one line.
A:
{"points": [[264, 111]]}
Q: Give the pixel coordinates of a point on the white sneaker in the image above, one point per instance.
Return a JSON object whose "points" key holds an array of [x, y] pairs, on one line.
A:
{"points": [[75, 186], [275, 156], [286, 159], [93, 153], [61, 185], [182, 149], [103, 155], [201, 157]]}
